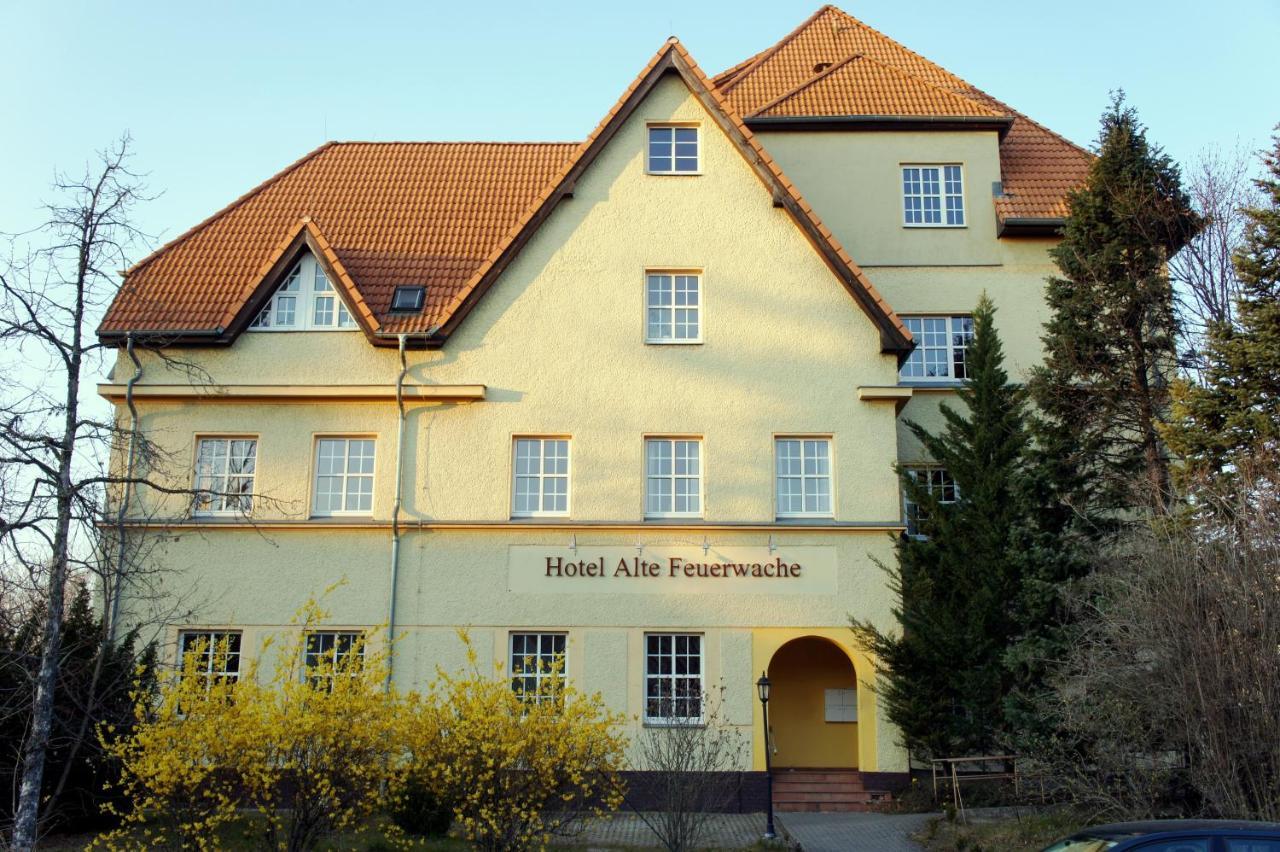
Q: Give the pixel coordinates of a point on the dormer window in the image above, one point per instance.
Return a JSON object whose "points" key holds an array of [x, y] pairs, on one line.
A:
{"points": [[408, 299], [932, 196], [673, 150], [304, 301]]}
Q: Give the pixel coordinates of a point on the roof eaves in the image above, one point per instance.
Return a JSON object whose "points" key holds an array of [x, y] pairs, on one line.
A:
{"points": [[999, 124]]}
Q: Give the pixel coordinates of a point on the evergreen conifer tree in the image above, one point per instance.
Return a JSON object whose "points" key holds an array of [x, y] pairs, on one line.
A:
{"points": [[1110, 343], [944, 677], [1236, 411]]}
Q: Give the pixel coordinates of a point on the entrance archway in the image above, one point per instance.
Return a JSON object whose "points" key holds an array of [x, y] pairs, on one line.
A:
{"points": [[813, 705]]}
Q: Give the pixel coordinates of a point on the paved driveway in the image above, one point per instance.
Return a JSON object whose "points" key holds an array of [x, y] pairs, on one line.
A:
{"points": [[855, 832]]}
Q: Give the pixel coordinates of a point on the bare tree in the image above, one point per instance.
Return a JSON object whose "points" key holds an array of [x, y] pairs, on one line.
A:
{"points": [[691, 765], [1203, 272], [1170, 703], [67, 466]]}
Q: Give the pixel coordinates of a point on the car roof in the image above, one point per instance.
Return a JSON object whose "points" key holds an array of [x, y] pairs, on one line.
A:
{"points": [[1118, 830]]}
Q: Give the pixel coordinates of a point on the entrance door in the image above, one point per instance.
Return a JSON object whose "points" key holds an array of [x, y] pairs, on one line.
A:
{"points": [[813, 705]]}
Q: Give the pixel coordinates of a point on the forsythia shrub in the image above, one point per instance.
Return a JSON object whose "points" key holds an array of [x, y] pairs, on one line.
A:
{"points": [[516, 768], [315, 750]]}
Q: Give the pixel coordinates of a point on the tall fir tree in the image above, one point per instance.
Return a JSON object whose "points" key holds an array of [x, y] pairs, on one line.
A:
{"points": [[1110, 343], [944, 677], [1235, 412]]}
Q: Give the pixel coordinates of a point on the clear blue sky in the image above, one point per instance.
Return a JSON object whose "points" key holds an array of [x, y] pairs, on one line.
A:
{"points": [[218, 96]]}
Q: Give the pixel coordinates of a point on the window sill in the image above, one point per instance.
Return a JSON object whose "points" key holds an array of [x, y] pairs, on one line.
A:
{"points": [[673, 174], [649, 342], [914, 227]]}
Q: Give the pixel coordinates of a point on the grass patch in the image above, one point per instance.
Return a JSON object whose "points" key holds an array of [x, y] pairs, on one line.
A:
{"points": [[1027, 831]]}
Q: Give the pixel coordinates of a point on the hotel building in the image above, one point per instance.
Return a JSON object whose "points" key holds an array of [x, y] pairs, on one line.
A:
{"points": [[635, 400]]}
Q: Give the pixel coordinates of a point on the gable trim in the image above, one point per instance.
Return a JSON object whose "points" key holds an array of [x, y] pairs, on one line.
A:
{"points": [[673, 58]]}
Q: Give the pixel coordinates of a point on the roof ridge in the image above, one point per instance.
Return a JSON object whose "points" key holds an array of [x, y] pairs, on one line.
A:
{"points": [[208, 220], [724, 76], [763, 56], [861, 23], [901, 72]]}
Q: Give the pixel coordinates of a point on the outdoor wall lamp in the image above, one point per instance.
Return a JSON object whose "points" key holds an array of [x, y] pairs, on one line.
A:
{"points": [[762, 688]]}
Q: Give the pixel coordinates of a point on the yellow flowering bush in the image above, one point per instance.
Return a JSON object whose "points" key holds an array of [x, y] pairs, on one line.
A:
{"points": [[517, 767], [315, 749]]}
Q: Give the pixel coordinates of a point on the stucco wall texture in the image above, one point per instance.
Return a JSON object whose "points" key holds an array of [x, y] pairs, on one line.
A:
{"points": [[559, 344]]}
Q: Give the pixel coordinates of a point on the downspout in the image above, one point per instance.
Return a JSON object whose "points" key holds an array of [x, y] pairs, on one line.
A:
{"points": [[395, 513], [128, 487]]}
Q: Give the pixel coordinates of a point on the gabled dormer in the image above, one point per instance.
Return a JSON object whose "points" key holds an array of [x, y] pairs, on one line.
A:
{"points": [[305, 301]]}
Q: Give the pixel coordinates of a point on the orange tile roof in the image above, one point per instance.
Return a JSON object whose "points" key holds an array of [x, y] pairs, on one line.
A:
{"points": [[1038, 166], [390, 213], [860, 85], [448, 215]]}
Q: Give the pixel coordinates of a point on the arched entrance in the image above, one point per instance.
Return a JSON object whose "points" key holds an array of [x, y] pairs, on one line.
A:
{"points": [[813, 705]]}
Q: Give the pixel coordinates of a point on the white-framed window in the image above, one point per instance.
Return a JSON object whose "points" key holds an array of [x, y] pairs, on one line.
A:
{"points": [[225, 469], [673, 678], [941, 343], [344, 476], [304, 301], [541, 477], [933, 196], [536, 659], [673, 307], [326, 653], [213, 654], [673, 477], [937, 482], [803, 477], [840, 705], [674, 149]]}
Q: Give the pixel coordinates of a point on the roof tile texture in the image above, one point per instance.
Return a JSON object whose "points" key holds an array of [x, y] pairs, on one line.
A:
{"points": [[392, 213], [1038, 166], [859, 85]]}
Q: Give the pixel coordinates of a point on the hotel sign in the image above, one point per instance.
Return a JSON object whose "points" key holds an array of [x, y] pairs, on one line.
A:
{"points": [[672, 569]]}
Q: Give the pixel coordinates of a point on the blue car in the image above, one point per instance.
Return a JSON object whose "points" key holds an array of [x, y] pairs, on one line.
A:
{"points": [[1175, 835]]}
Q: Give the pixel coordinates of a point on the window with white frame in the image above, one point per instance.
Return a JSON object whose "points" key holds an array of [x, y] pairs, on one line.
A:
{"points": [[673, 679], [673, 477], [213, 655], [541, 471], [305, 300], [673, 149], [804, 477], [344, 476], [536, 660], [941, 345], [224, 475], [329, 653], [937, 483], [933, 196], [673, 308]]}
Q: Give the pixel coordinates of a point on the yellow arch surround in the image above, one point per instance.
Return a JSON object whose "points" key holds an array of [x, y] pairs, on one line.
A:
{"points": [[766, 642]]}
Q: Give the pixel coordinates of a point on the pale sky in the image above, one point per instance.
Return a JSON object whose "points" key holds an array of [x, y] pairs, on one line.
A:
{"points": [[219, 96]]}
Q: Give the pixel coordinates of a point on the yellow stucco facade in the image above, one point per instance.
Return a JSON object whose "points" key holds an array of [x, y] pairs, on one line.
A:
{"points": [[558, 345]]}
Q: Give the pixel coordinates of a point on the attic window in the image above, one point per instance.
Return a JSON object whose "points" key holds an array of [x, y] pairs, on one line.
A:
{"points": [[304, 301], [408, 298], [818, 69]]}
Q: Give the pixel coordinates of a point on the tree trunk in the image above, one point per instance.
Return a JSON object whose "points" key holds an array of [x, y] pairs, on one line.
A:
{"points": [[26, 817]]}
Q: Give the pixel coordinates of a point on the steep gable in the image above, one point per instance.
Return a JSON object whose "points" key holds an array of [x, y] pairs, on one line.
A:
{"points": [[1038, 166], [219, 271]]}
